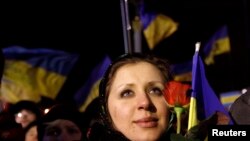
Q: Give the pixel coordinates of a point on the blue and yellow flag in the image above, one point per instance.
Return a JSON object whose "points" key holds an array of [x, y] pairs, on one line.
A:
{"points": [[32, 73], [228, 98], [204, 102], [218, 44], [90, 89], [156, 26], [182, 72]]}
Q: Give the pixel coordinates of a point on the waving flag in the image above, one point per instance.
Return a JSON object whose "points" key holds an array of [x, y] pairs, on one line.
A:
{"points": [[204, 102], [90, 89], [156, 26], [228, 98], [182, 72], [218, 44], [32, 73]]}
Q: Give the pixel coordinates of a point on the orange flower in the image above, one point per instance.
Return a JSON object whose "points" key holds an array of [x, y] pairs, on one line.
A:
{"points": [[176, 94]]}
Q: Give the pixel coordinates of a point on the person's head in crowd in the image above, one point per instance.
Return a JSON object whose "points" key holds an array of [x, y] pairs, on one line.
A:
{"points": [[63, 122], [25, 112], [132, 97], [240, 109]]}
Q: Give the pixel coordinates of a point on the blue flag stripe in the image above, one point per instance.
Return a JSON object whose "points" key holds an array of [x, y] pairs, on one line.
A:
{"points": [[95, 75], [221, 33], [48, 59], [207, 101]]}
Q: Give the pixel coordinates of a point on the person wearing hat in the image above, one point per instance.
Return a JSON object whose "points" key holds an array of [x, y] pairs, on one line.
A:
{"points": [[26, 112]]}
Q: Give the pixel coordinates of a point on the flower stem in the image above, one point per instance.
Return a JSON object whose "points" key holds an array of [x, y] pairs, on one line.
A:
{"points": [[178, 111]]}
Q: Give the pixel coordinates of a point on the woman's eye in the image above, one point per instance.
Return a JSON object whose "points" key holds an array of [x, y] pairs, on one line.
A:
{"points": [[126, 93], [156, 91]]}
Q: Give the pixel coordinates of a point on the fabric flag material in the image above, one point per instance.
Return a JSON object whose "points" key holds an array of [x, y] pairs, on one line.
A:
{"points": [[90, 89], [228, 98], [32, 73], [182, 72], [204, 102], [156, 26], [218, 44]]}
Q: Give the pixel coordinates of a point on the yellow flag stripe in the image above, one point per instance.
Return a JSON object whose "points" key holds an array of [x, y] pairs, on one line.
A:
{"points": [[94, 92], [192, 119], [21, 81], [161, 27], [219, 47]]}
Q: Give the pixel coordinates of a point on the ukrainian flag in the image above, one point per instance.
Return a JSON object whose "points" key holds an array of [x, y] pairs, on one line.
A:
{"points": [[182, 71], [228, 98], [156, 26], [90, 90], [204, 102], [218, 44], [32, 73]]}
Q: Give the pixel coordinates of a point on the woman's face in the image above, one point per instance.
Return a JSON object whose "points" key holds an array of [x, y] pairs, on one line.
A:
{"points": [[136, 103], [62, 130]]}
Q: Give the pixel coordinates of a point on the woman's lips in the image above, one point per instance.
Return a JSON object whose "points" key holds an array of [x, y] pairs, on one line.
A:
{"points": [[148, 122]]}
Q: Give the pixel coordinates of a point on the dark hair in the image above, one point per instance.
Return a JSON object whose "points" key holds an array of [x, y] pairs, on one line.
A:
{"points": [[105, 83], [27, 105], [61, 111]]}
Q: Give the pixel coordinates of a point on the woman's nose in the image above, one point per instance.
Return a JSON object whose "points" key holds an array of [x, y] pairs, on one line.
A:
{"points": [[144, 101]]}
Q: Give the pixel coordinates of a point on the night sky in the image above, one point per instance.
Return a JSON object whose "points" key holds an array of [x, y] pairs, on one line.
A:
{"points": [[94, 29]]}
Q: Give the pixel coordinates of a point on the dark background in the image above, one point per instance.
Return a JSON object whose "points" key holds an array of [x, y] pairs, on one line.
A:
{"points": [[94, 28]]}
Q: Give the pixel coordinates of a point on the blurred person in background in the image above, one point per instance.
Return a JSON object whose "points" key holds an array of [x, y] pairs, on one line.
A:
{"points": [[26, 112], [240, 109], [63, 122]]}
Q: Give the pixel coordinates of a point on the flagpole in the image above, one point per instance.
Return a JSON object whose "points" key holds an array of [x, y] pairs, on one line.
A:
{"points": [[137, 28], [126, 26], [197, 46], [192, 117]]}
